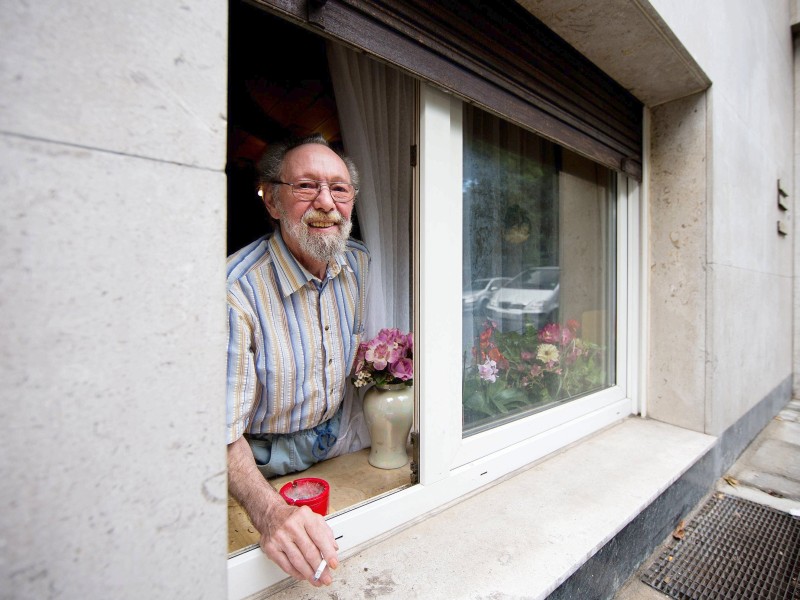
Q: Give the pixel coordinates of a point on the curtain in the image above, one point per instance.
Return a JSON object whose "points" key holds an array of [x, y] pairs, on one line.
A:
{"points": [[375, 106]]}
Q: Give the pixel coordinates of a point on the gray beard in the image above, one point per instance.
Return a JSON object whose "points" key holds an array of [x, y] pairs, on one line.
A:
{"points": [[323, 248]]}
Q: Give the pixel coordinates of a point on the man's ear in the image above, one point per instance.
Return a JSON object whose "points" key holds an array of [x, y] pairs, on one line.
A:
{"points": [[269, 203]]}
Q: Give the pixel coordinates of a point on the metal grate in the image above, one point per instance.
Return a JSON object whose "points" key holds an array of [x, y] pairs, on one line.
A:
{"points": [[732, 549]]}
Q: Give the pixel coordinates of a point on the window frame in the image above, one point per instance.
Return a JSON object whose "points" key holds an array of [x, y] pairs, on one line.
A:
{"points": [[451, 466]]}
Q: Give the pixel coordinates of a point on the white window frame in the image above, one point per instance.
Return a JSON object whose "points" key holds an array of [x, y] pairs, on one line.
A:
{"points": [[452, 466]]}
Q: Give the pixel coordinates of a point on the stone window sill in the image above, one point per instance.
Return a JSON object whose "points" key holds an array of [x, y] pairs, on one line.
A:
{"points": [[526, 535]]}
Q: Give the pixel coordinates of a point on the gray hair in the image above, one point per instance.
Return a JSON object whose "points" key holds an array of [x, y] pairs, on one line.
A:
{"points": [[271, 164]]}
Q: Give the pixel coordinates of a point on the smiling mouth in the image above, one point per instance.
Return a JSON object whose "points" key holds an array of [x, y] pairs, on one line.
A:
{"points": [[321, 224]]}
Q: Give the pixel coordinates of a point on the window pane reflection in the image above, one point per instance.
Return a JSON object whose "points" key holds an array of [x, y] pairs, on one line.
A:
{"points": [[538, 274]]}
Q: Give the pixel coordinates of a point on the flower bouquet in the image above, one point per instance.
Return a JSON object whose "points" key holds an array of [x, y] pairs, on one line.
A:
{"points": [[514, 371], [386, 359]]}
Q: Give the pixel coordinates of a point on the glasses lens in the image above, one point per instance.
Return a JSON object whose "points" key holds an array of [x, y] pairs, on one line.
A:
{"points": [[342, 192], [306, 189]]}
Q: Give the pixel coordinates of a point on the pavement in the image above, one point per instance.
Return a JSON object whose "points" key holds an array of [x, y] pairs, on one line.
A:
{"points": [[767, 472]]}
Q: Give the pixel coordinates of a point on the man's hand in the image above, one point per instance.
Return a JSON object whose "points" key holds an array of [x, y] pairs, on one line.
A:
{"points": [[294, 538], [297, 539]]}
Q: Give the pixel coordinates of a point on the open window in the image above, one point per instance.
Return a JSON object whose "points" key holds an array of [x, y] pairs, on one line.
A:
{"points": [[366, 109], [510, 243]]}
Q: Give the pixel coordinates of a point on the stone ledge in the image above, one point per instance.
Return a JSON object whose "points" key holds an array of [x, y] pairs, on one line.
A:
{"points": [[525, 536], [630, 41]]}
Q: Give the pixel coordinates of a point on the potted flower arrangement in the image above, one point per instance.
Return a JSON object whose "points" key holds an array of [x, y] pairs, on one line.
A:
{"points": [[387, 361], [514, 371]]}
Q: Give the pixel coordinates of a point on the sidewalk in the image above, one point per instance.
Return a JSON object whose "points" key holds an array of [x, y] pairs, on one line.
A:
{"points": [[768, 473]]}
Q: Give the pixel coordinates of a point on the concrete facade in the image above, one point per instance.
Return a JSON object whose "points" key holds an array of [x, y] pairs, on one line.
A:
{"points": [[749, 266], [111, 300], [112, 132]]}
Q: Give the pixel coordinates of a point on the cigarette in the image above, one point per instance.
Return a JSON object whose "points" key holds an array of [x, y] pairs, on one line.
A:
{"points": [[320, 569]]}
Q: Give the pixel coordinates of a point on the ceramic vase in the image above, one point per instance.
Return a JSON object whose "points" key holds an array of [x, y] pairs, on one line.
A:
{"points": [[389, 411]]}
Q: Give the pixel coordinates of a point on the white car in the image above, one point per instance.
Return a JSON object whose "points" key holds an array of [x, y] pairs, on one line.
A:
{"points": [[529, 298], [476, 295]]}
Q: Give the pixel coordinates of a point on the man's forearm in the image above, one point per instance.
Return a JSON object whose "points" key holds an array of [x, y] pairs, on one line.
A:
{"points": [[248, 486]]}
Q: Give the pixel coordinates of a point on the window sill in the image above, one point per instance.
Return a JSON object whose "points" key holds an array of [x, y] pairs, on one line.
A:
{"points": [[526, 535]]}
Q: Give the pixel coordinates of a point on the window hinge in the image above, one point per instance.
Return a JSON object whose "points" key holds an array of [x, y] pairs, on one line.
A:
{"points": [[414, 155], [414, 461]]}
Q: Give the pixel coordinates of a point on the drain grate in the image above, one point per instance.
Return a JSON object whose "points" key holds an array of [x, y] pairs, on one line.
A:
{"points": [[732, 549]]}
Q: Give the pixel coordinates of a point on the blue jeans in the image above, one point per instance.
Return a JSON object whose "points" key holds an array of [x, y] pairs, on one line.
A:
{"points": [[280, 454]]}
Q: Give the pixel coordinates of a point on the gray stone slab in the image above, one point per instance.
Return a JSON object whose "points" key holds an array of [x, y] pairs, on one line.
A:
{"points": [[769, 483], [786, 431], [777, 457]]}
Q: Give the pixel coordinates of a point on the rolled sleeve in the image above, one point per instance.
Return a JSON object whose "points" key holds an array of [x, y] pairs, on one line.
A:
{"points": [[241, 379]]}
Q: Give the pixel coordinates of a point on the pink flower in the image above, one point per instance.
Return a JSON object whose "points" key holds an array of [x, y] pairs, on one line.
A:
{"points": [[550, 334], [572, 357], [488, 371], [553, 333], [386, 335], [380, 354], [410, 343], [403, 369]]}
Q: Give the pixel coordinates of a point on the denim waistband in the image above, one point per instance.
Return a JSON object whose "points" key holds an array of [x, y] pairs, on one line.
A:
{"points": [[280, 454]]}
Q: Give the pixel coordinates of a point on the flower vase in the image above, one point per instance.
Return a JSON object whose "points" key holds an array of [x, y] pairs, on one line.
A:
{"points": [[389, 411]]}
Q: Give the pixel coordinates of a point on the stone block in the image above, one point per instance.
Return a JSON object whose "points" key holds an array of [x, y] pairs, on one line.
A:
{"points": [[144, 78]]}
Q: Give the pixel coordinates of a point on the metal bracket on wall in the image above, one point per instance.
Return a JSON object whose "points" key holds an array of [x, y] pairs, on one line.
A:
{"points": [[783, 203]]}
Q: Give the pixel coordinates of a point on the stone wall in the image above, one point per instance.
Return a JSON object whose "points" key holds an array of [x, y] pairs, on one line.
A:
{"points": [[746, 51], [112, 133]]}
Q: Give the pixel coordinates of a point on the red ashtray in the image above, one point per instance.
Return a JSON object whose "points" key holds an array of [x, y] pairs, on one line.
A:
{"points": [[312, 492]]}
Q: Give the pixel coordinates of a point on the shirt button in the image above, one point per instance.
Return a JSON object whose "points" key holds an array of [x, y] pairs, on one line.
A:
{"points": [[330, 360], [327, 327]]}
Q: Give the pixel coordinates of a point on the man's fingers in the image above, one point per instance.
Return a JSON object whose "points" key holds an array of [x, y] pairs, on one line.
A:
{"points": [[299, 542], [300, 561], [282, 560], [314, 537], [321, 536]]}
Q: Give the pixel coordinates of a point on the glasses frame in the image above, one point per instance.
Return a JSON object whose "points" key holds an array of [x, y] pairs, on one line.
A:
{"points": [[319, 190]]}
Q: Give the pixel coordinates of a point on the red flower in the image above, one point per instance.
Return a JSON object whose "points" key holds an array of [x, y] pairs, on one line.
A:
{"points": [[497, 357]]}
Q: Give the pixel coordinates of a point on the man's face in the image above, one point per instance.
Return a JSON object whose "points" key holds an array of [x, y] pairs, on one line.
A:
{"points": [[314, 231]]}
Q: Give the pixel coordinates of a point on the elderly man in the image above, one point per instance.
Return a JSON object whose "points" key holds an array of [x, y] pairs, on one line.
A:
{"points": [[296, 302]]}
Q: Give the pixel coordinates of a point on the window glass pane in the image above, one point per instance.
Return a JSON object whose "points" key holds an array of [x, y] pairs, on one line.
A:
{"points": [[538, 273]]}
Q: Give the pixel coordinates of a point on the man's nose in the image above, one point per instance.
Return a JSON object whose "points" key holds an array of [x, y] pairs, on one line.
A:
{"points": [[324, 199]]}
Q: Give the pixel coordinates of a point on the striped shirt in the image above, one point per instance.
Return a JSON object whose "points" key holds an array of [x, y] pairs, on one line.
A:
{"points": [[292, 338]]}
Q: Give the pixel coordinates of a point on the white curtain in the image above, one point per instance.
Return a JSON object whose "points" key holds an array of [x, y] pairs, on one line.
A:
{"points": [[375, 105]]}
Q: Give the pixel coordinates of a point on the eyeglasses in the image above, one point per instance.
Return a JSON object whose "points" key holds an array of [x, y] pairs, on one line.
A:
{"points": [[307, 190]]}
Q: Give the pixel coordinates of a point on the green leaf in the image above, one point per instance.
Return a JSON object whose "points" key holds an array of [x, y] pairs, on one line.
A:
{"points": [[477, 402]]}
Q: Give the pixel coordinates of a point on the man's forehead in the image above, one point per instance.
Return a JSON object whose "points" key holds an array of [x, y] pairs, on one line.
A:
{"points": [[313, 155]]}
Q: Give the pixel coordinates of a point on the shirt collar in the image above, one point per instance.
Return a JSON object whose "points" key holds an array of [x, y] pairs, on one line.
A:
{"points": [[291, 274]]}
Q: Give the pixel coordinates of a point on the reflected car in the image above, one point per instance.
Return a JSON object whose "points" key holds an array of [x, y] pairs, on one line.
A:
{"points": [[529, 298], [476, 295]]}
